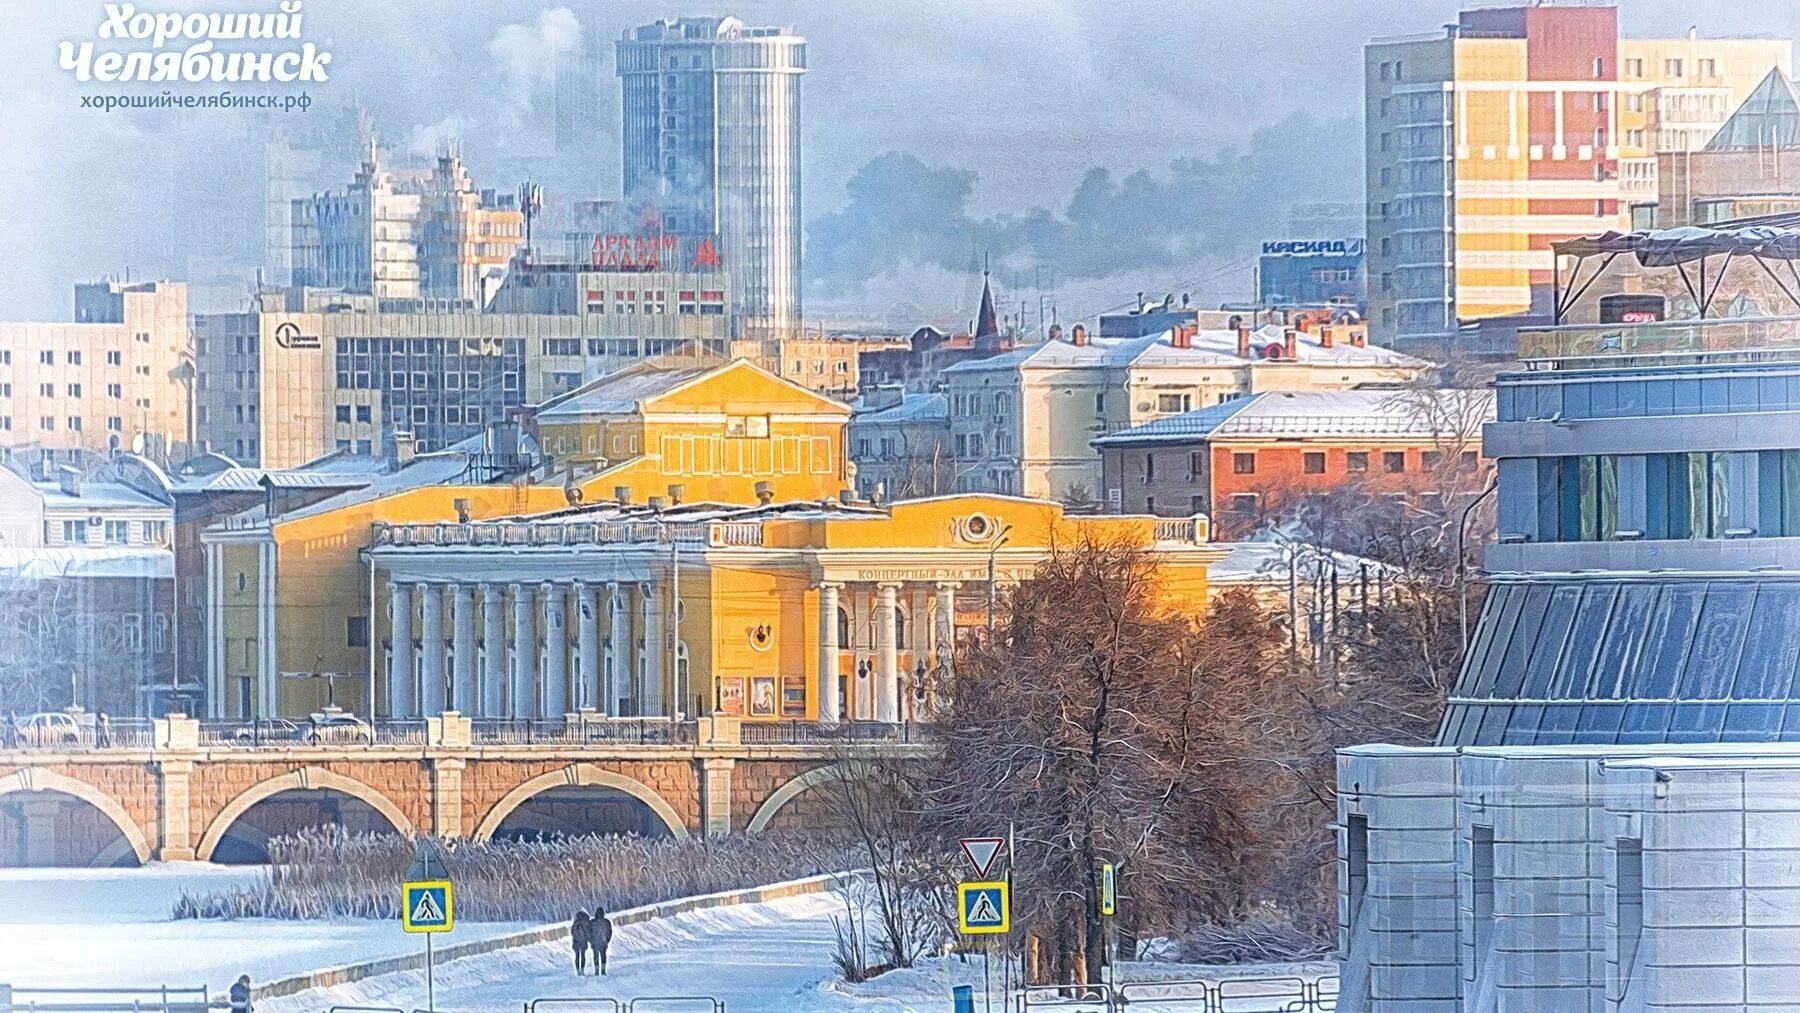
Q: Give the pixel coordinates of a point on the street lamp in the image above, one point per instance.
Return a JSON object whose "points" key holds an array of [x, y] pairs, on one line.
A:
{"points": [[1000, 538]]}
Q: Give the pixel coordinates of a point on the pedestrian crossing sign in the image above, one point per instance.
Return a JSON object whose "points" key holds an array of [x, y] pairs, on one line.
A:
{"points": [[983, 908], [427, 906]]}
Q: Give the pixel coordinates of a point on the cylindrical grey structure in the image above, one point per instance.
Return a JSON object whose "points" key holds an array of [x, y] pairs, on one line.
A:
{"points": [[493, 652], [401, 701], [711, 137]]}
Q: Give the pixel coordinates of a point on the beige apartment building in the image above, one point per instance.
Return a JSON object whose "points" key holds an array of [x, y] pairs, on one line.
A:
{"points": [[1022, 423], [1517, 127], [114, 378]]}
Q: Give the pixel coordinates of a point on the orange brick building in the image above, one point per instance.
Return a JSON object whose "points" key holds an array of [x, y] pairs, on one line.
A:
{"points": [[1244, 460]]}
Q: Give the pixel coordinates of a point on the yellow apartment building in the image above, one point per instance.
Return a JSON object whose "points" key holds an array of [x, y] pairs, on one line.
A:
{"points": [[1517, 127]]}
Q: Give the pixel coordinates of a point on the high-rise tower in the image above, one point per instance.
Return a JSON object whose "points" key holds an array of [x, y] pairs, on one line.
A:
{"points": [[712, 140]]}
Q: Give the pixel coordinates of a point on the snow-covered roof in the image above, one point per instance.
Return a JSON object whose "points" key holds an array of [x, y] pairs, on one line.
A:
{"points": [[912, 408], [1206, 348], [1267, 561], [619, 393], [1348, 414], [93, 494], [133, 562]]}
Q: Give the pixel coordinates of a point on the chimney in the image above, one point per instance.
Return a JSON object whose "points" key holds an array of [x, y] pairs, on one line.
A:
{"points": [[1243, 340], [657, 503], [1183, 335], [406, 447], [1184, 300], [622, 494], [1303, 324], [1326, 336], [1291, 347], [1078, 336], [462, 509], [68, 479], [1140, 302], [765, 493], [1359, 337], [676, 492]]}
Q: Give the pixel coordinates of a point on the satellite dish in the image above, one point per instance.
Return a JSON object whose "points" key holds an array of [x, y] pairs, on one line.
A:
{"points": [[137, 443], [1273, 350]]}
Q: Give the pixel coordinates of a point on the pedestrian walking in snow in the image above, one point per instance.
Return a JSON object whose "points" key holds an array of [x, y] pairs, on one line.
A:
{"points": [[240, 995], [581, 937], [602, 933]]}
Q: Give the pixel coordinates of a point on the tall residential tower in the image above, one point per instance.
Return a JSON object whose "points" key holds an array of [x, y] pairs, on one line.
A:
{"points": [[1516, 127], [712, 140]]}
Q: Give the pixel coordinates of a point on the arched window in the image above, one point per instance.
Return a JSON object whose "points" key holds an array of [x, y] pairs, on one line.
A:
{"points": [[900, 625], [843, 637]]}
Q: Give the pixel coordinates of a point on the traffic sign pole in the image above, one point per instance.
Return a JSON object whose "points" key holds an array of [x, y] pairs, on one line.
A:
{"points": [[430, 975]]}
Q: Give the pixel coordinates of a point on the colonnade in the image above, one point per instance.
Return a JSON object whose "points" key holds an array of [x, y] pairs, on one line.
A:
{"points": [[869, 612], [525, 649]]}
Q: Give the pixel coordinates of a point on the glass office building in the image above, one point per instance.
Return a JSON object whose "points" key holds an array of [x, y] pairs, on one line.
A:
{"points": [[712, 140]]}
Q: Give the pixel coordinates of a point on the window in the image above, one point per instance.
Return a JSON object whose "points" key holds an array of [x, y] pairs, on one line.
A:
{"points": [[1313, 462], [1634, 67], [1599, 68], [1243, 464], [1393, 461], [47, 358], [75, 532], [1170, 404], [156, 532], [118, 532], [356, 632], [115, 358], [1148, 473], [1387, 70], [1196, 464], [1244, 502], [343, 413], [1356, 461], [1672, 68], [74, 390], [74, 357], [1709, 67], [1100, 403]]}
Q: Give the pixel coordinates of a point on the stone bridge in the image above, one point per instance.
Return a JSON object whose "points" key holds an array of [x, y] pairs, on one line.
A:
{"points": [[179, 791]]}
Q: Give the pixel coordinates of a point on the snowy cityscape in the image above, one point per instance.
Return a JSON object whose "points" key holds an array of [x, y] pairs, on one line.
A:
{"points": [[944, 506]]}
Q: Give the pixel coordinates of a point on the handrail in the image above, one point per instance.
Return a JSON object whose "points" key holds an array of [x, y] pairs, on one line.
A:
{"points": [[572, 1000], [714, 1005]]}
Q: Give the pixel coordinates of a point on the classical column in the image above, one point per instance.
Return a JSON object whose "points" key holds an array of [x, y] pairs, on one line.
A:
{"points": [[431, 650], [618, 680], [828, 653], [556, 652], [944, 634], [462, 648], [524, 695], [402, 702], [650, 689], [587, 617], [268, 672], [215, 633], [492, 692], [887, 683]]}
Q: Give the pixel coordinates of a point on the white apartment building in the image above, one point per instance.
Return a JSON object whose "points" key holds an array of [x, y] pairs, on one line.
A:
{"points": [[1022, 423]]}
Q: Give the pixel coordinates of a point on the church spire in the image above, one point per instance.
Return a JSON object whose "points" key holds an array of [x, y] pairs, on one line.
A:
{"points": [[987, 324]]}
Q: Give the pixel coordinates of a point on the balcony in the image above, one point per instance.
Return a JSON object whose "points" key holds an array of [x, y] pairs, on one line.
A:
{"points": [[1579, 346]]}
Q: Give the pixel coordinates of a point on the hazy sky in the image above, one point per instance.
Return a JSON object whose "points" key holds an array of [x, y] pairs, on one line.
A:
{"points": [[932, 128]]}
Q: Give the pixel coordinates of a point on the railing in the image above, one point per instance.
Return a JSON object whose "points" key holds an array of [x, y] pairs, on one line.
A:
{"points": [[261, 732], [1735, 336], [770, 733], [1188, 530], [1287, 994], [581, 731], [88, 732], [559, 533], [160, 999]]}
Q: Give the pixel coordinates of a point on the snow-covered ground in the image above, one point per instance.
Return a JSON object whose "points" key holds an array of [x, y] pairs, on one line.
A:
{"points": [[110, 928]]}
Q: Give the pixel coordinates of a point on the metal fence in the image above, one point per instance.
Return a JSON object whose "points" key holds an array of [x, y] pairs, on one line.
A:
{"points": [[263, 732], [641, 1004], [1284, 994], [814, 732], [582, 731], [158, 999]]}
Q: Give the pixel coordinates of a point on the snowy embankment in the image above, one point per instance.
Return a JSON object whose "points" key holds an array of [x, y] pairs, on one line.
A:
{"points": [[110, 928]]}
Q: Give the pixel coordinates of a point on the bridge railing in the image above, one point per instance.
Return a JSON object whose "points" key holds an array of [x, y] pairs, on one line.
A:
{"points": [[157, 999], [288, 732], [581, 730], [808, 733]]}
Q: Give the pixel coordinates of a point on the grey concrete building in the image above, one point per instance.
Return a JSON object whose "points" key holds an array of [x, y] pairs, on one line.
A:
{"points": [[1610, 820]]}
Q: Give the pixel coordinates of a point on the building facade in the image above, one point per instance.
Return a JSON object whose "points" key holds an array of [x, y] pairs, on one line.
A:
{"points": [[1024, 422], [1517, 127], [407, 234], [1316, 272], [116, 378], [1253, 458], [1749, 169], [288, 587], [900, 444], [1606, 820], [796, 611], [712, 140]]}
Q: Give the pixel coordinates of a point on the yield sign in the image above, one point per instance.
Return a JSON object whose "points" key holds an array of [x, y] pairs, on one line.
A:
{"points": [[981, 851]]}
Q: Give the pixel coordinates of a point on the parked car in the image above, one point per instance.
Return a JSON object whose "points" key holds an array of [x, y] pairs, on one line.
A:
{"points": [[266, 730], [52, 728], [332, 726]]}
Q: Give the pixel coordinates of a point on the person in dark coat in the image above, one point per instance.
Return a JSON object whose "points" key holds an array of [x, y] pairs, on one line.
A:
{"points": [[602, 933], [581, 936], [240, 995]]}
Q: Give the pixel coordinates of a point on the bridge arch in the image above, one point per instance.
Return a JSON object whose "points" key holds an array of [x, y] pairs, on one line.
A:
{"points": [[304, 779], [765, 813], [581, 775], [31, 779]]}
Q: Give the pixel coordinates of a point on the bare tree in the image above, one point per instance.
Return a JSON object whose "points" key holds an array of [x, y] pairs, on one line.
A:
{"points": [[1104, 726]]}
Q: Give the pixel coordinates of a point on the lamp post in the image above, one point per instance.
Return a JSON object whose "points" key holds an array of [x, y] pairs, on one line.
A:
{"points": [[1000, 538]]}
